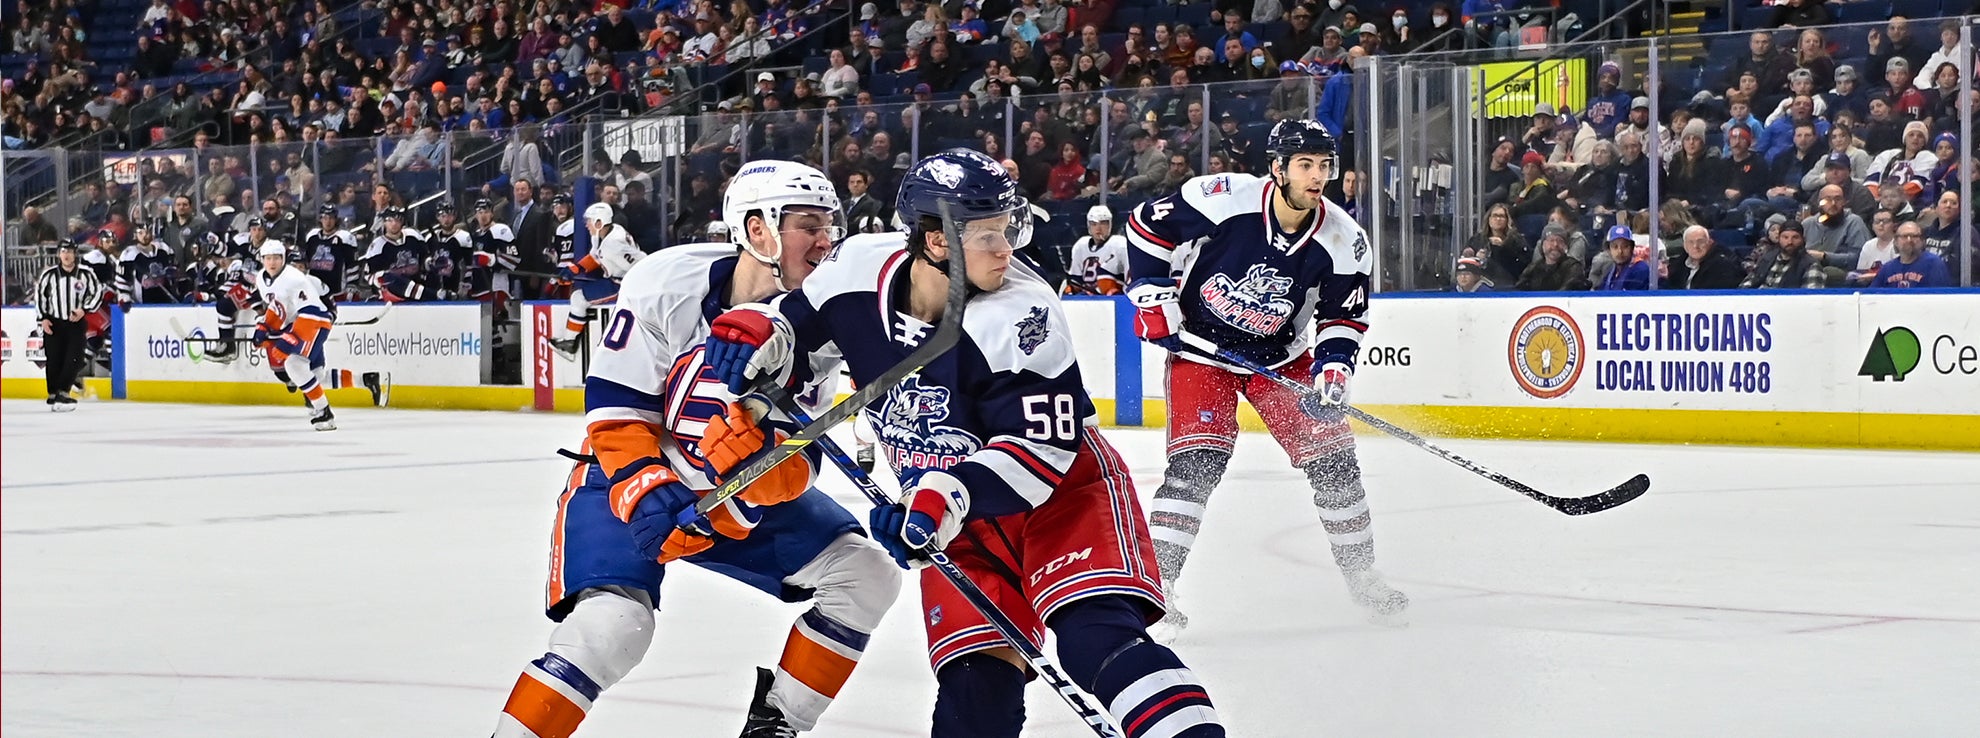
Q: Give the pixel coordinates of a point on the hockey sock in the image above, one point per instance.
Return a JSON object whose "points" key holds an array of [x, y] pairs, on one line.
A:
{"points": [[1343, 505], [978, 695], [311, 390], [819, 656], [1105, 649], [1177, 512], [601, 640], [574, 321]]}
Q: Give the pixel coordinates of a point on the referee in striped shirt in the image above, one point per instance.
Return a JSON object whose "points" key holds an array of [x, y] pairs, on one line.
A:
{"points": [[63, 294]]}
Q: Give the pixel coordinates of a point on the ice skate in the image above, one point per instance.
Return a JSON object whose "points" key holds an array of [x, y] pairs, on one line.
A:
{"points": [[1384, 604], [566, 346], [864, 457], [324, 420], [62, 403], [766, 721], [221, 351], [1173, 622]]}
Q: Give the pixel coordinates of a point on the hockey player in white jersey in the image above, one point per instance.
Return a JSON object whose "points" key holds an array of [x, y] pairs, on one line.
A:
{"points": [[595, 278], [1257, 265], [293, 327], [1097, 264], [659, 429]]}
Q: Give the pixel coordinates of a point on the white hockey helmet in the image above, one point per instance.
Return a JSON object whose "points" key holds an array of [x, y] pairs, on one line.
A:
{"points": [[717, 231], [768, 186], [272, 247], [598, 211], [1099, 214]]}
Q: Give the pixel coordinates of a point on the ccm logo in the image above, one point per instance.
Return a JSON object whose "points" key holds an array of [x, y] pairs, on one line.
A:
{"points": [[542, 347], [1060, 563]]}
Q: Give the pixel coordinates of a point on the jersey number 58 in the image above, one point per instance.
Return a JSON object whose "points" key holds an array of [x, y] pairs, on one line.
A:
{"points": [[1050, 417]]}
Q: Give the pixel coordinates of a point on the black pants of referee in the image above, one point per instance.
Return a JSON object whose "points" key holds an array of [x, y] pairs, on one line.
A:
{"points": [[64, 346]]}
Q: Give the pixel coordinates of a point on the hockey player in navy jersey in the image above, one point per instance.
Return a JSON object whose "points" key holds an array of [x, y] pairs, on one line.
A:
{"points": [[396, 261], [996, 446], [1256, 265], [452, 267], [232, 286], [146, 273], [330, 254], [661, 430]]}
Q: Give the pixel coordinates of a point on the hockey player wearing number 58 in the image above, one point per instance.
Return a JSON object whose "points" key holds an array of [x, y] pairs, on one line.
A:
{"points": [[661, 432], [595, 278], [1253, 264], [996, 446]]}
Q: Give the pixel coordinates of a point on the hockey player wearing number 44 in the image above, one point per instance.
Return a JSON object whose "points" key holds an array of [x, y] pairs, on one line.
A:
{"points": [[660, 430], [996, 446], [1270, 257]]}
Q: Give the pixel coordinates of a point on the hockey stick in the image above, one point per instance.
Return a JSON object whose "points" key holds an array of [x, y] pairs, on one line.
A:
{"points": [[947, 333], [179, 329], [1604, 500], [1013, 635]]}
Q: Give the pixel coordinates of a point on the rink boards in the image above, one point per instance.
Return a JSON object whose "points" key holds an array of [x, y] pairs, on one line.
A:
{"points": [[1824, 368]]}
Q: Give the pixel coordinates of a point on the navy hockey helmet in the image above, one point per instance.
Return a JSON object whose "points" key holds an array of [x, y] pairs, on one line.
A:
{"points": [[1292, 137], [445, 206], [561, 199], [327, 211], [484, 204], [257, 222], [975, 187], [392, 214]]}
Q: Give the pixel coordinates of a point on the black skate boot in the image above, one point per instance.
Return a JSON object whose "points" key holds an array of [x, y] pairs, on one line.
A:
{"points": [[566, 346], [324, 420], [222, 349], [864, 457], [766, 721]]}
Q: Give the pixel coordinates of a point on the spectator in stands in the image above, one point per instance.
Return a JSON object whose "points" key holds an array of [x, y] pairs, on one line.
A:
{"points": [[1906, 167], [1626, 271], [1944, 226], [1881, 247], [1555, 271], [940, 70], [1498, 245], [1300, 34], [1145, 166], [1330, 53], [1942, 98], [1052, 17], [1785, 265], [1914, 266], [1017, 27], [840, 79], [1802, 13], [1948, 51], [1293, 96], [1470, 276], [34, 229], [1593, 187], [1846, 95], [1905, 99], [1610, 104], [1703, 265], [1768, 66], [1694, 177], [1502, 176], [1234, 29], [1895, 42], [1536, 195], [617, 33], [1833, 234]]}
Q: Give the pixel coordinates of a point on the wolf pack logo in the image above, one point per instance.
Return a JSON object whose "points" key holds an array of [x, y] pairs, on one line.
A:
{"points": [[1255, 304], [1032, 331], [911, 427], [949, 173]]}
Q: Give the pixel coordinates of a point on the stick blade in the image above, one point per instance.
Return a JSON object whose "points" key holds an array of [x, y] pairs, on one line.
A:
{"points": [[1617, 495]]}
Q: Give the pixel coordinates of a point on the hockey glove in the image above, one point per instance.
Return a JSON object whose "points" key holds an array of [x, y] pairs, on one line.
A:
{"points": [[660, 511], [734, 439], [1157, 316], [922, 522], [1330, 387], [566, 273], [746, 343]]}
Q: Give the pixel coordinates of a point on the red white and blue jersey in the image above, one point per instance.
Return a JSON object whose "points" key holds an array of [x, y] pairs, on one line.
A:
{"points": [[1249, 284], [404, 257], [1004, 411]]}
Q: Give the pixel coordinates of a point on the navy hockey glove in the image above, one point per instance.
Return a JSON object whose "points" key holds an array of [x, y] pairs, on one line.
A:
{"points": [[922, 522], [654, 503], [1330, 386], [746, 343], [1157, 315]]}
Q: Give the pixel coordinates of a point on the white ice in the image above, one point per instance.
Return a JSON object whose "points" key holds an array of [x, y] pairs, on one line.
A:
{"points": [[226, 571]]}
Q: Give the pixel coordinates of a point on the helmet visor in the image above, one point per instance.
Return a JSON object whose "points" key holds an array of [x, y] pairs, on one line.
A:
{"points": [[808, 222], [1006, 231]]}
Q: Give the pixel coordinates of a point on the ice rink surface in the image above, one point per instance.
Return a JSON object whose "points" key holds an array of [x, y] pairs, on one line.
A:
{"points": [[227, 572]]}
